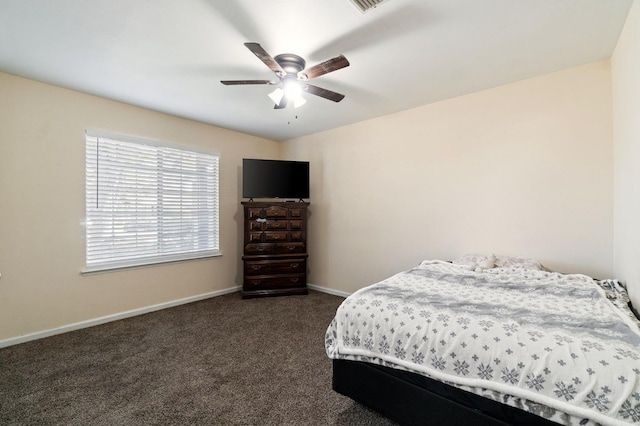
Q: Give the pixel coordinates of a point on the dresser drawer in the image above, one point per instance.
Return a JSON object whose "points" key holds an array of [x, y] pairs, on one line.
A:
{"points": [[271, 267], [258, 249], [255, 237], [254, 213], [290, 266], [275, 212], [295, 225], [272, 282], [275, 236], [255, 225], [276, 224], [290, 247], [257, 267]]}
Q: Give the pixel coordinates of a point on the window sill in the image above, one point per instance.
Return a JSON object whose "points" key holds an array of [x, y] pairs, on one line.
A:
{"points": [[144, 264]]}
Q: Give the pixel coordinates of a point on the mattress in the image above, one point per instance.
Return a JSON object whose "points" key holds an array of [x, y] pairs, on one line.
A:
{"points": [[562, 346]]}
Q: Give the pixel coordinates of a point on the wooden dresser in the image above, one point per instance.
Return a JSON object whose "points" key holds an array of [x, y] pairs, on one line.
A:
{"points": [[275, 248]]}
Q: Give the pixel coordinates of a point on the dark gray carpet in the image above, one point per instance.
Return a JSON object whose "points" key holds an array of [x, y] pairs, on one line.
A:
{"points": [[219, 361]]}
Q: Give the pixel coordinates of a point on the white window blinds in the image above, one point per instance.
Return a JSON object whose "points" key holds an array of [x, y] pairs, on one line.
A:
{"points": [[148, 202]]}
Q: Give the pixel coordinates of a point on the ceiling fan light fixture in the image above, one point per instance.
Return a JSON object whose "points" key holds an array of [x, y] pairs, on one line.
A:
{"points": [[292, 89], [277, 95], [299, 101]]}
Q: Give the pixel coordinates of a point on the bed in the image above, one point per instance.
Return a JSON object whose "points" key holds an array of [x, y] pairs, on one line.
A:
{"points": [[489, 340]]}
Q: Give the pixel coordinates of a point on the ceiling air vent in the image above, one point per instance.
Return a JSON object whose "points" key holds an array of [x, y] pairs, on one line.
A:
{"points": [[366, 5]]}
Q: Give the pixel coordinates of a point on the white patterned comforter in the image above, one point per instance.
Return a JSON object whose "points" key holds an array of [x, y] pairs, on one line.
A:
{"points": [[537, 336]]}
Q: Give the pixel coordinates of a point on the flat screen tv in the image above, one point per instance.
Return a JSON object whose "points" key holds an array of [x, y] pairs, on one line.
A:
{"points": [[275, 179]]}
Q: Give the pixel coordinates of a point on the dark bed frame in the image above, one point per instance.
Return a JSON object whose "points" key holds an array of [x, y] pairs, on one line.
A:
{"points": [[412, 399]]}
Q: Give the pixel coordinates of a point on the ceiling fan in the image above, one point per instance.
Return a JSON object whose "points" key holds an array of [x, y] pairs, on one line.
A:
{"points": [[292, 76]]}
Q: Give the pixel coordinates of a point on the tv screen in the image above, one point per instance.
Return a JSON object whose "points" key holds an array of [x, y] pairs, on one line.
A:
{"points": [[275, 179]]}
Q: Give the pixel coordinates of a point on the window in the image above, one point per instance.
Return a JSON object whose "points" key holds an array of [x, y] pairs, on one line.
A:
{"points": [[148, 202]]}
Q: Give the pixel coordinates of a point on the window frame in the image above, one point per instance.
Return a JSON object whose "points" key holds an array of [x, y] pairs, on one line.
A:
{"points": [[210, 197]]}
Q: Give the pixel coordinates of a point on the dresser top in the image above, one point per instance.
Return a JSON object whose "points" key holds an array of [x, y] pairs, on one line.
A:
{"points": [[275, 203]]}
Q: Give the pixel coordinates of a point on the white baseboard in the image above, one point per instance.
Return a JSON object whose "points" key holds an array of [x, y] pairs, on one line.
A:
{"points": [[102, 320], [328, 290]]}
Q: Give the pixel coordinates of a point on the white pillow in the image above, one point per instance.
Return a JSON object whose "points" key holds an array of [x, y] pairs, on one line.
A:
{"points": [[518, 263], [480, 262], [477, 262]]}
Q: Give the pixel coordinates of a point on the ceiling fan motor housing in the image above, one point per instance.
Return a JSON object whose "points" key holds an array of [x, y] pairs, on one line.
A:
{"points": [[291, 63]]}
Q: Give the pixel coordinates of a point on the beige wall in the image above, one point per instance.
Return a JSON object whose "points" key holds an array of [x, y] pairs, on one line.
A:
{"points": [[522, 169], [42, 209], [626, 130]]}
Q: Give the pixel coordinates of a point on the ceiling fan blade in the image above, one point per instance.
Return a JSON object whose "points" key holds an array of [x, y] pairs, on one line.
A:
{"points": [[237, 82], [324, 93], [325, 67], [282, 104], [266, 58]]}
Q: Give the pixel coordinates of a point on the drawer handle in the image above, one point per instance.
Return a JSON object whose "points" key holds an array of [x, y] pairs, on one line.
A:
{"points": [[260, 220], [260, 248], [291, 248], [294, 280], [256, 267], [294, 265], [276, 237]]}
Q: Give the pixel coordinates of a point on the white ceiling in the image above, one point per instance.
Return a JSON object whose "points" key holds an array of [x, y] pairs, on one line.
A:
{"points": [[170, 55]]}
